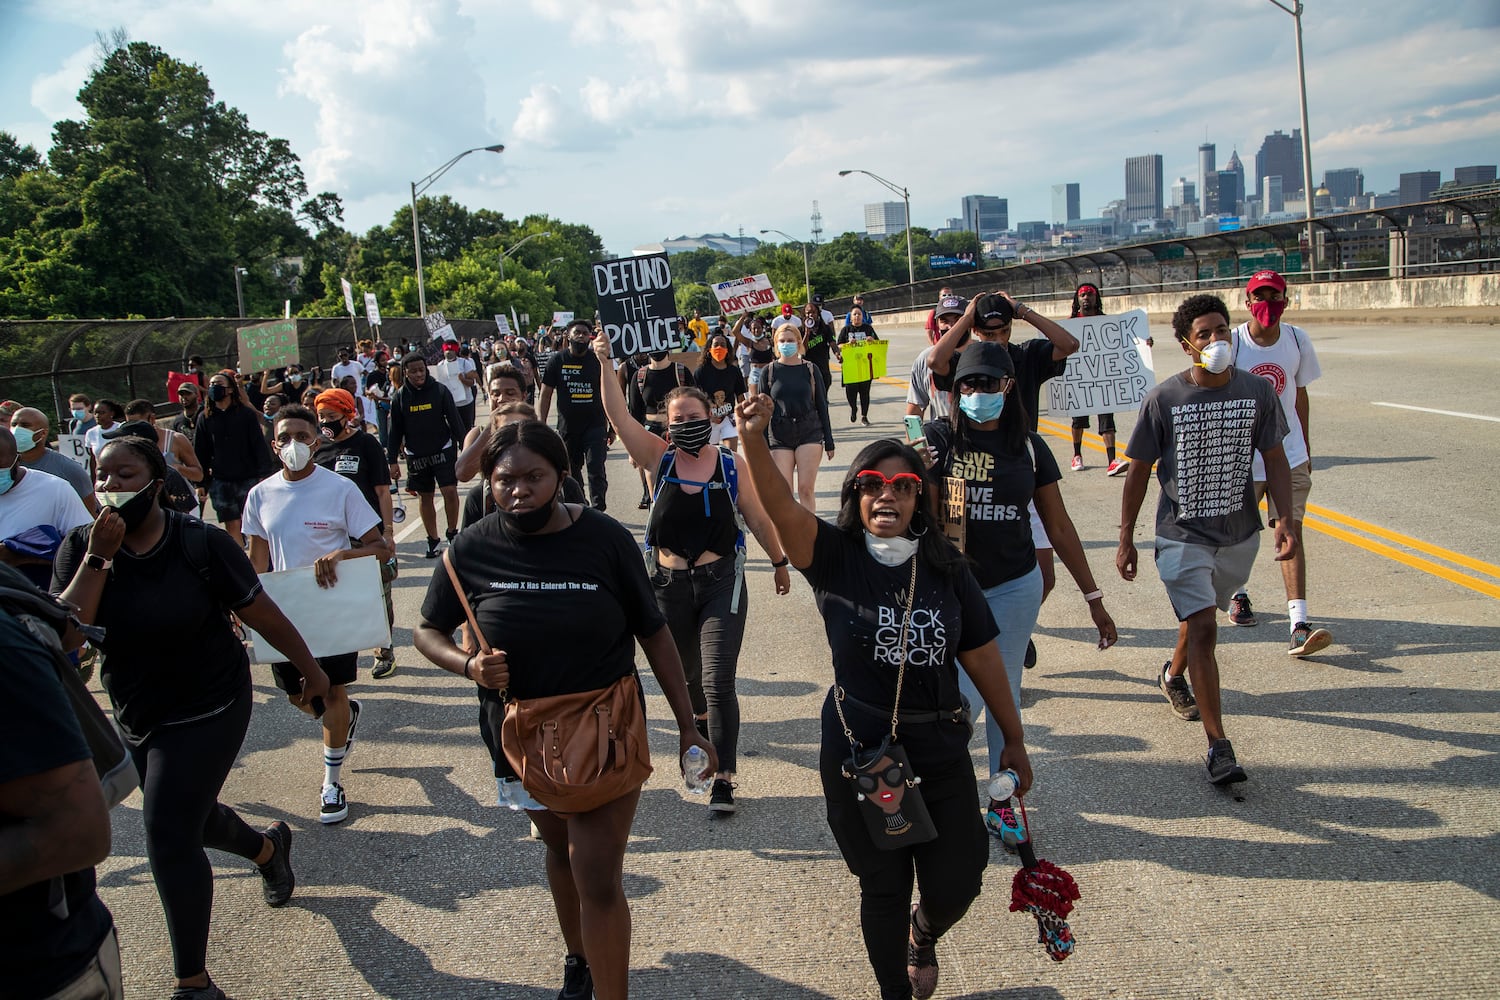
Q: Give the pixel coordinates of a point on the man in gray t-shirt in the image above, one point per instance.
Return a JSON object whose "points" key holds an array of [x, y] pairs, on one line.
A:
{"points": [[1202, 428], [32, 428]]}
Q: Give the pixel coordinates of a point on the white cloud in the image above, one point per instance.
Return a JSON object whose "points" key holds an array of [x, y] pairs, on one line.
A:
{"points": [[549, 120], [55, 94]]}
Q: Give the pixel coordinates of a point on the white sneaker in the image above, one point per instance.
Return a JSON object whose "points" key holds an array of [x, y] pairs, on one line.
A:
{"points": [[334, 808], [1077, 463]]}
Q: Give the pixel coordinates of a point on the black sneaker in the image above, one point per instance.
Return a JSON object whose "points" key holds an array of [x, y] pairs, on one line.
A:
{"points": [[921, 961], [335, 807], [432, 547], [1029, 660], [578, 981], [721, 798], [385, 663], [1223, 769], [277, 872], [1240, 612], [645, 503], [1179, 695], [452, 534], [209, 992], [353, 723]]}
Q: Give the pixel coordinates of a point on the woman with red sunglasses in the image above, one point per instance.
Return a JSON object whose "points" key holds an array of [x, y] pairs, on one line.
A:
{"points": [[902, 612]]}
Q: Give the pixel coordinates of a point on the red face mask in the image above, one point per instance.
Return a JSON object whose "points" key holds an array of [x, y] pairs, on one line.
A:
{"points": [[1267, 314]]}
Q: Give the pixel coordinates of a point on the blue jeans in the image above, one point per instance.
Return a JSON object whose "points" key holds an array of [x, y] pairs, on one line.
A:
{"points": [[1014, 604]]}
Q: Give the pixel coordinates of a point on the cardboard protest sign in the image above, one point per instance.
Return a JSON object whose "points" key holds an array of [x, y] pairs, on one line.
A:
{"points": [[636, 304], [862, 362], [372, 309], [71, 447], [265, 346], [438, 330], [745, 295], [348, 296], [1111, 373]]}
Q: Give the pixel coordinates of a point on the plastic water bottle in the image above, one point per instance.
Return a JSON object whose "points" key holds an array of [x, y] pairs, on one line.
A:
{"points": [[695, 770], [1003, 785]]}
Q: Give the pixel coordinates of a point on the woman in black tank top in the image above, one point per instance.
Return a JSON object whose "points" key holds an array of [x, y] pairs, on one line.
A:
{"points": [[695, 557]]}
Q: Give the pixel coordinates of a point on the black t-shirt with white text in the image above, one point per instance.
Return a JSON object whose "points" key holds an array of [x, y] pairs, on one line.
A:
{"points": [[722, 386], [575, 385]]}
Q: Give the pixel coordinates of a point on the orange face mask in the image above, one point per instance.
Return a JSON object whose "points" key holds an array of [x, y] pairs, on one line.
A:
{"points": [[718, 353]]}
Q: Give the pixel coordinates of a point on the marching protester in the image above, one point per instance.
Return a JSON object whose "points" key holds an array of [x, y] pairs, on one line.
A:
{"points": [[458, 374], [232, 450], [724, 385], [426, 428], [857, 378], [1283, 355], [1088, 302], [922, 395], [31, 429], [1005, 468], [176, 492], [800, 432], [818, 338], [306, 516], [696, 555], [505, 384], [756, 344], [902, 612], [1200, 428], [107, 413], [531, 573], [142, 572], [288, 386], [352, 452], [574, 375], [647, 388], [80, 414]]}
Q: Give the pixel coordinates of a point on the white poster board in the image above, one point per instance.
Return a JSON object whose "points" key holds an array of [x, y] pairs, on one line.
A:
{"points": [[1111, 373], [71, 447], [372, 309], [502, 324], [345, 618], [746, 294], [348, 295], [561, 318]]}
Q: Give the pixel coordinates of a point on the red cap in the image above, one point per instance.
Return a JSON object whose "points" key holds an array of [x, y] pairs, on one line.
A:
{"points": [[786, 309], [1265, 279]]}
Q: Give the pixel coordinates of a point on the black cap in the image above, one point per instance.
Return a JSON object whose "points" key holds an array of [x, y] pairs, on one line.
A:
{"points": [[948, 305], [984, 358], [817, 299], [992, 310], [143, 429]]}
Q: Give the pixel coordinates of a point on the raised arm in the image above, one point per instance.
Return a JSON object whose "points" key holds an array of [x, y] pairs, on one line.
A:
{"points": [[939, 362], [761, 527], [1063, 342], [645, 448], [796, 526]]}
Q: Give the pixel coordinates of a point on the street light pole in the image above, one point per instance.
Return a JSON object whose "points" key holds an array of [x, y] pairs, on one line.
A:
{"points": [[513, 249], [806, 274], [417, 187], [239, 291], [911, 268], [1307, 179]]}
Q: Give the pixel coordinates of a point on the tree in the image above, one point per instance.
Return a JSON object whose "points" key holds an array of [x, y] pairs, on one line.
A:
{"points": [[868, 259]]}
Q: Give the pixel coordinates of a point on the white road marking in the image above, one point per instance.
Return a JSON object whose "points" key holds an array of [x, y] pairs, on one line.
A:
{"points": [[1445, 413]]}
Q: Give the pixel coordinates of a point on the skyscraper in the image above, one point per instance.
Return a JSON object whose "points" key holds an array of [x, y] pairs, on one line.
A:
{"points": [[1344, 185], [1143, 188], [1230, 191], [1270, 195], [1418, 186], [886, 218], [985, 214], [1462, 176], [1208, 180], [1281, 156], [1064, 203], [1184, 192]]}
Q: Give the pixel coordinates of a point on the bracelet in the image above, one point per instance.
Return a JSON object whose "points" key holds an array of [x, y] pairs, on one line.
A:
{"points": [[467, 663], [1093, 596], [785, 561], [1019, 307]]}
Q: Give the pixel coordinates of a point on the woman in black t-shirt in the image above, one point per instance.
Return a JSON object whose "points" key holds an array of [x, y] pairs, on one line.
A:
{"points": [[1004, 467], [856, 383], [724, 385], [144, 573], [800, 433], [532, 573], [887, 534]]}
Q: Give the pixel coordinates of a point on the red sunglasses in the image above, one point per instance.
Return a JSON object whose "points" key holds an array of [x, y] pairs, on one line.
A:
{"points": [[872, 483]]}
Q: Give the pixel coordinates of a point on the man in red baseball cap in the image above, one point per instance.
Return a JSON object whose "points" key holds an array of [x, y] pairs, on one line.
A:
{"points": [[1283, 355]]}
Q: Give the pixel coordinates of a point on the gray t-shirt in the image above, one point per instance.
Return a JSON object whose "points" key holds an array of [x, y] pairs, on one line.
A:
{"points": [[1203, 442], [55, 464]]}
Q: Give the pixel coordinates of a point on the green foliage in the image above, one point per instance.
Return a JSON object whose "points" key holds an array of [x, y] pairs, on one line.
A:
{"points": [[694, 296]]}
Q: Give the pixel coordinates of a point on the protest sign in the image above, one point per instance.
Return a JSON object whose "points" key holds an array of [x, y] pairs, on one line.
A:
{"points": [[372, 309], [348, 296], [955, 509], [636, 304], [745, 295], [71, 447], [561, 318], [344, 618], [502, 324], [438, 330], [175, 379], [1111, 373], [265, 346], [862, 362]]}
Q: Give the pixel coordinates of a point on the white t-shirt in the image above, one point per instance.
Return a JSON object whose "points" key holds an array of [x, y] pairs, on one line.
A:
{"points": [[307, 519], [346, 368], [93, 439], [41, 499], [1289, 364], [448, 373]]}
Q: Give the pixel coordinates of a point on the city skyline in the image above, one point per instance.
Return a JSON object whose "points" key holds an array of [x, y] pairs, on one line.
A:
{"points": [[648, 129]]}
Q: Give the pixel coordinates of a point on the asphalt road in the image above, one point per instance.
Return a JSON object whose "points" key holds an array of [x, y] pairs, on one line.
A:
{"points": [[1360, 860]]}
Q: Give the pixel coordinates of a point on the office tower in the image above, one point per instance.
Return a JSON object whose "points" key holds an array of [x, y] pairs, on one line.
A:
{"points": [[1064, 203], [1281, 156], [1208, 179], [886, 218], [985, 214], [1270, 195], [1230, 190], [1418, 186], [1462, 176], [1184, 192], [1344, 185], [1031, 232], [1143, 188]]}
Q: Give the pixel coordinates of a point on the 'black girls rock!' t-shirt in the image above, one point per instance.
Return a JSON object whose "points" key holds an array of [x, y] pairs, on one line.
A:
{"points": [[863, 603], [565, 607]]}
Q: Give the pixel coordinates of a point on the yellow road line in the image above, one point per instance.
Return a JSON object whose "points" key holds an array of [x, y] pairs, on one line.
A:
{"points": [[1458, 558], [1416, 562]]}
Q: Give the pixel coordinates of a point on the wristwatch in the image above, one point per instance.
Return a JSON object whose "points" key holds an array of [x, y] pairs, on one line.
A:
{"points": [[95, 561]]}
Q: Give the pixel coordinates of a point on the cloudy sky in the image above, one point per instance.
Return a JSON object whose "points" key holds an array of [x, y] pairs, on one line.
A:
{"points": [[652, 118]]}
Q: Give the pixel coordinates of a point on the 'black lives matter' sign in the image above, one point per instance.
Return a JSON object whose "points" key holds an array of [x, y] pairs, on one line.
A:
{"points": [[636, 304]]}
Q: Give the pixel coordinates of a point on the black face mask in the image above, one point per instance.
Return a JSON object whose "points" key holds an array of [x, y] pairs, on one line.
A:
{"points": [[529, 522], [135, 510], [218, 393], [657, 355], [332, 428], [691, 435], [578, 347]]}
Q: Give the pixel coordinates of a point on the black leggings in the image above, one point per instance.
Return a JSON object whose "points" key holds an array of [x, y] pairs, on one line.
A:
{"points": [[182, 769], [949, 870], [858, 393]]}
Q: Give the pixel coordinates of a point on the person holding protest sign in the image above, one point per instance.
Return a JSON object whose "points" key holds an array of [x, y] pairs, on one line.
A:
{"points": [[306, 516], [756, 343], [530, 574], [695, 555], [856, 383], [800, 432], [142, 572], [1088, 302], [1004, 469], [724, 385], [580, 410], [425, 423]]}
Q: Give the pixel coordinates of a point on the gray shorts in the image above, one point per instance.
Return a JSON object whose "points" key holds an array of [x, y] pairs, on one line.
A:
{"points": [[1204, 576]]}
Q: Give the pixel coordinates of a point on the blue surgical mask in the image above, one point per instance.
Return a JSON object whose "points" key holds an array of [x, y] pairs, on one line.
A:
{"points": [[7, 478], [786, 348], [80, 414], [25, 439], [982, 407]]}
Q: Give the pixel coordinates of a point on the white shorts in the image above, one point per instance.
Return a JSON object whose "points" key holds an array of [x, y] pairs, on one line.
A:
{"points": [[1038, 533], [723, 429]]}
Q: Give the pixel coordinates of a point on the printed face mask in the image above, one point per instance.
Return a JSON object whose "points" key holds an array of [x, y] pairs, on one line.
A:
{"points": [[691, 435], [295, 455], [1267, 314], [332, 428], [1215, 357], [981, 407]]}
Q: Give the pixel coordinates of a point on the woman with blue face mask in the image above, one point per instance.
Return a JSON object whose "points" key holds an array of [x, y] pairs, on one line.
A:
{"points": [[800, 432], [986, 449]]}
